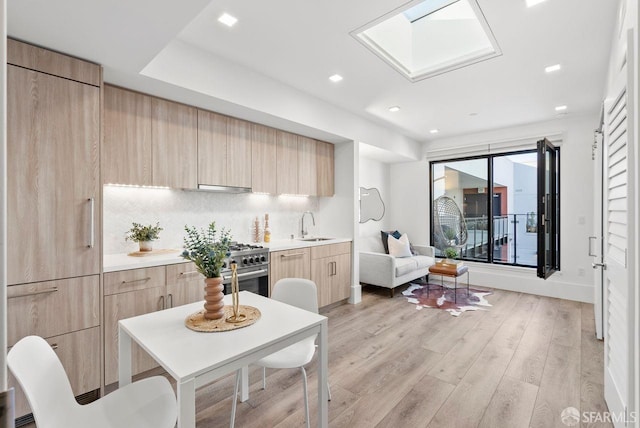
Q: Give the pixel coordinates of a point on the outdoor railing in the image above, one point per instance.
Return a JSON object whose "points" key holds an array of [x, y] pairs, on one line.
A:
{"points": [[513, 240]]}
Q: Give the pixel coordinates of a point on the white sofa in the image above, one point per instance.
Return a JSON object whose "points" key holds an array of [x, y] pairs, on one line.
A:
{"points": [[384, 270]]}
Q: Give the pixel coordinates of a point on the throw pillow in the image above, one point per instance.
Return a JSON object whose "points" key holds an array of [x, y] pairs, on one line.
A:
{"points": [[385, 236], [399, 247]]}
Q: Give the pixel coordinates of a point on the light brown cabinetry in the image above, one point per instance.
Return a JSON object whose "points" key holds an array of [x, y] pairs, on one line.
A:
{"points": [[174, 151], [52, 177], [331, 271], [264, 160], [289, 264], [325, 168], [224, 150], [126, 149], [139, 291], [307, 168], [287, 163], [66, 313], [53, 209]]}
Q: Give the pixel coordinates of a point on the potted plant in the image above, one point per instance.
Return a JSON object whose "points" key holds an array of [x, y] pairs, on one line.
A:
{"points": [[143, 235], [450, 253], [207, 250]]}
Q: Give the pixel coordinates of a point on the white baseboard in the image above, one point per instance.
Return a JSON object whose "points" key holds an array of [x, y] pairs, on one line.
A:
{"points": [[524, 280]]}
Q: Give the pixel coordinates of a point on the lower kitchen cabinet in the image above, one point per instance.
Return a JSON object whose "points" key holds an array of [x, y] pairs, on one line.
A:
{"points": [[289, 264], [66, 313], [331, 271], [184, 285], [140, 291]]}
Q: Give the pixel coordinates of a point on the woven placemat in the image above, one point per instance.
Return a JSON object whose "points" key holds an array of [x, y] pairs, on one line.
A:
{"points": [[152, 252], [196, 322]]}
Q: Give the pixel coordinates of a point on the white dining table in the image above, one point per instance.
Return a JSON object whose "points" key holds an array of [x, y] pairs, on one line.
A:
{"points": [[195, 359]]}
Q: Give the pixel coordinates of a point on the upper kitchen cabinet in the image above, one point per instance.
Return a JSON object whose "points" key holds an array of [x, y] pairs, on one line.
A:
{"points": [[287, 163], [126, 145], [264, 159], [224, 150], [325, 168], [174, 144], [212, 148], [53, 189], [307, 175]]}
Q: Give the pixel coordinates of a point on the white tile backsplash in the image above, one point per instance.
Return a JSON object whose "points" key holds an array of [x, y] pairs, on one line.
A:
{"points": [[176, 208]]}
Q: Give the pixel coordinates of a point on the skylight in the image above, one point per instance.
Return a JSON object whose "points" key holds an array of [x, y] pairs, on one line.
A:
{"points": [[430, 37]]}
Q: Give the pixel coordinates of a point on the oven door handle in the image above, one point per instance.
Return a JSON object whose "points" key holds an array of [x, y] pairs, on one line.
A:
{"points": [[248, 275]]}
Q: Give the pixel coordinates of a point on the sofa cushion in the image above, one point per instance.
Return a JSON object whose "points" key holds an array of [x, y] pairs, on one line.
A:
{"points": [[384, 236], [424, 262], [399, 247], [405, 265]]}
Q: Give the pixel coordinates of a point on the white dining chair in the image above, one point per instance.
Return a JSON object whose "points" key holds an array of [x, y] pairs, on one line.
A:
{"points": [[149, 403], [303, 294]]}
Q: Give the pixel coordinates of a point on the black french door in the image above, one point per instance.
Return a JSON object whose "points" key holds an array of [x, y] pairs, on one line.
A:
{"points": [[548, 209]]}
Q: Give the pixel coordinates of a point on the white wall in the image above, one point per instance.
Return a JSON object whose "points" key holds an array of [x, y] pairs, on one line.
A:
{"points": [[409, 200], [410, 207], [375, 174]]}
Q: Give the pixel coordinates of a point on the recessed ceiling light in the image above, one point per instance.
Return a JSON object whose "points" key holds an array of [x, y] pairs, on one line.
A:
{"points": [[227, 19], [394, 109], [434, 131], [561, 108], [335, 78], [552, 68], [531, 3]]}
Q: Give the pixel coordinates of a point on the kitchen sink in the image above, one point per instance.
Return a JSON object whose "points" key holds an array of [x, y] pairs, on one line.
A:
{"points": [[315, 239]]}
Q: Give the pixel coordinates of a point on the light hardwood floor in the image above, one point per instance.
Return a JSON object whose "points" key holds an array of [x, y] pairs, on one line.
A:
{"points": [[517, 365]]}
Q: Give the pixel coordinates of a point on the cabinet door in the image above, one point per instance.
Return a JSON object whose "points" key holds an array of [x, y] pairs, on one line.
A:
{"points": [[325, 168], [307, 176], [264, 160], [322, 275], [289, 264], [184, 285], [79, 353], [126, 149], [212, 148], [174, 144], [287, 169], [238, 153], [121, 306], [53, 202], [341, 279]]}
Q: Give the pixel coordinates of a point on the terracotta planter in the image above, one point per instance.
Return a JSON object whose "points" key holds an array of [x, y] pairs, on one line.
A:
{"points": [[214, 295], [146, 245]]}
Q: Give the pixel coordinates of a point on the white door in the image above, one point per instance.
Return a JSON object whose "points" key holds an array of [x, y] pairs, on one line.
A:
{"points": [[619, 225], [596, 240]]}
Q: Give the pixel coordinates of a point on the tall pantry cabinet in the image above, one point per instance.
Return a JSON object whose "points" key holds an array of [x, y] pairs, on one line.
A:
{"points": [[53, 266]]}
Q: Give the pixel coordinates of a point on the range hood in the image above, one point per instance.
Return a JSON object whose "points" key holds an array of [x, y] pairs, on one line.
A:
{"points": [[224, 189]]}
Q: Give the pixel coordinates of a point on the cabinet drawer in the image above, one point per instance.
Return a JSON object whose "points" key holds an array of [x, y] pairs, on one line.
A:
{"points": [[79, 353], [134, 279], [182, 273], [322, 251], [52, 308]]}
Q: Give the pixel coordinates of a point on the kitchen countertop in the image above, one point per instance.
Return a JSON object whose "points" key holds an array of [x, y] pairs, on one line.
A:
{"points": [[118, 262]]}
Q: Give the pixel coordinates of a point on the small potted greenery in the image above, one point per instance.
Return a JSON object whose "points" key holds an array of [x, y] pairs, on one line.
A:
{"points": [[207, 250], [450, 253], [143, 235]]}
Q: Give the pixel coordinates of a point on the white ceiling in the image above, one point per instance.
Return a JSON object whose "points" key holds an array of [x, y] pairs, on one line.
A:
{"points": [[300, 44]]}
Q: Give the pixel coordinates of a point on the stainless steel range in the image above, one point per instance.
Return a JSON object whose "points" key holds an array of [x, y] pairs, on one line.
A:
{"points": [[252, 262]]}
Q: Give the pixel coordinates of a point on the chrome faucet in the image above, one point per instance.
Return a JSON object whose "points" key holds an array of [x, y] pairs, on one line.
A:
{"points": [[304, 231]]}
